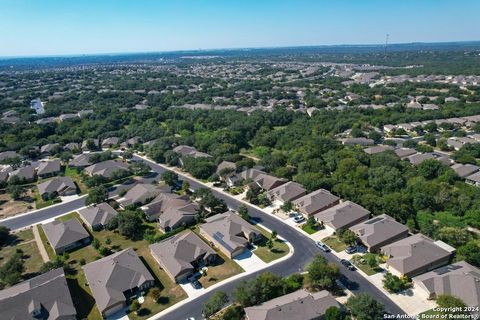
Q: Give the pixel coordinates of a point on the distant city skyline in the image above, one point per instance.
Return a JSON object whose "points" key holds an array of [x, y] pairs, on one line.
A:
{"points": [[53, 27]]}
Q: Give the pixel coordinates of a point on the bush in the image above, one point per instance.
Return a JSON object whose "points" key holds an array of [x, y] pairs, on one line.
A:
{"points": [[215, 303], [395, 284]]}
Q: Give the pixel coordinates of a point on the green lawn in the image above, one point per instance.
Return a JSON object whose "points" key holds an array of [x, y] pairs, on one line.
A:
{"points": [[361, 263], [24, 241], [279, 249], [309, 229], [82, 296], [46, 244], [334, 243], [77, 178], [40, 203]]}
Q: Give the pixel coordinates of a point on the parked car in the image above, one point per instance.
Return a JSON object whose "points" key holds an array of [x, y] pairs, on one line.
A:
{"points": [[348, 264], [347, 283], [299, 218], [196, 284], [322, 246], [351, 249]]}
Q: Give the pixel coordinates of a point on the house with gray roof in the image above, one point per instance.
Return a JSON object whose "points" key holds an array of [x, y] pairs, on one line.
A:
{"points": [[116, 278], [315, 202], [58, 186], [403, 153], [225, 165], [72, 147], [464, 170], [106, 168], [49, 148], [81, 161], [95, 143], [97, 216], [229, 233], [171, 210], [460, 279], [7, 155], [418, 158], [286, 192], [342, 216], [142, 193], [182, 255], [377, 149], [379, 231], [298, 305], [268, 182], [110, 142], [48, 168], [130, 142], [27, 173], [473, 179], [416, 254], [43, 297], [361, 141], [65, 235]]}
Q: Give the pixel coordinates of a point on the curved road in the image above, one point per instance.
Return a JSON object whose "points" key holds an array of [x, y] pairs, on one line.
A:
{"points": [[305, 249]]}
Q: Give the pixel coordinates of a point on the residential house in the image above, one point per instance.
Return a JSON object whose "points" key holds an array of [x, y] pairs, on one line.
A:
{"points": [[106, 168], [7, 155], [48, 168], [90, 144], [473, 179], [115, 279], [129, 143], [97, 216], [268, 182], [72, 147], [379, 231], [27, 173], [110, 142], [81, 161], [187, 151], [229, 232], [66, 235], [142, 193], [464, 170], [342, 216], [182, 255], [418, 158], [377, 149], [59, 186], [45, 296], [460, 279], [298, 305], [171, 210], [315, 202], [415, 255], [49, 149], [225, 165], [286, 192], [403, 153], [361, 141]]}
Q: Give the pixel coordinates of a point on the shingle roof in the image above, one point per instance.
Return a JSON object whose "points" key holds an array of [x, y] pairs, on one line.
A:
{"points": [[48, 167], [177, 253], [343, 214], [58, 184], [27, 172], [315, 201], [460, 279], [413, 253], [377, 149], [142, 192], [171, 209], [298, 305], [268, 182], [109, 277], [47, 292], [82, 160], [464, 170], [7, 154], [378, 229], [229, 230], [287, 192], [419, 158], [106, 168], [190, 151], [63, 233], [100, 214]]}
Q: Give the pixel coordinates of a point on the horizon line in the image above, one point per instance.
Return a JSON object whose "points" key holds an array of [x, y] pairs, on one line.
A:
{"points": [[119, 53]]}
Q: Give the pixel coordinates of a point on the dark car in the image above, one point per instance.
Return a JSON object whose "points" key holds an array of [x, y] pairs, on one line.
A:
{"points": [[196, 284], [348, 264], [351, 249]]}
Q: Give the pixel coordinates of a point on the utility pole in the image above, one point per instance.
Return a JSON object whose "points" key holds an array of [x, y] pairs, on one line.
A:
{"points": [[386, 43]]}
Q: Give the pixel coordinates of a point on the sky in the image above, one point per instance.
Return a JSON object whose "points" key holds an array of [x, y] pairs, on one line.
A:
{"points": [[63, 27]]}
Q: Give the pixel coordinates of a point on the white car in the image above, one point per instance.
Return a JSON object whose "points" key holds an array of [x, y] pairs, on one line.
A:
{"points": [[299, 218]]}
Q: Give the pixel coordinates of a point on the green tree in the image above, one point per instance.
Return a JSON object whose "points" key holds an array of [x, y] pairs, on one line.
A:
{"points": [[243, 212], [170, 178], [15, 191], [214, 304], [322, 275], [97, 195], [130, 224], [364, 307], [135, 306], [449, 301], [4, 235], [394, 284], [333, 313], [287, 206], [469, 252], [11, 271], [349, 237]]}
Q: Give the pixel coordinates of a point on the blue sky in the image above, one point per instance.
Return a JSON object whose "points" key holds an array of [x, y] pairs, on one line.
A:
{"points": [[56, 27]]}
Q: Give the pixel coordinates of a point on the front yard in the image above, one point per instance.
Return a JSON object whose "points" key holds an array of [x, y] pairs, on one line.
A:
{"points": [[335, 243], [362, 263], [279, 249]]}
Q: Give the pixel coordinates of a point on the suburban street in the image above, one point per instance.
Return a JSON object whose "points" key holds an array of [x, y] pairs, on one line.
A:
{"points": [[304, 247]]}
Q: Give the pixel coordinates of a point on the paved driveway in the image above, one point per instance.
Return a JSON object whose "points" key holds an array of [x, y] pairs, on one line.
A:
{"points": [[249, 261], [190, 290]]}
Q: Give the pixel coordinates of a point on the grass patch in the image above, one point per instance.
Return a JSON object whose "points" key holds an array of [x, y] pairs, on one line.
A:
{"points": [[40, 203], [361, 263], [279, 249], [24, 240], [335, 243], [69, 216], [77, 178], [309, 229], [223, 268], [46, 244], [83, 299]]}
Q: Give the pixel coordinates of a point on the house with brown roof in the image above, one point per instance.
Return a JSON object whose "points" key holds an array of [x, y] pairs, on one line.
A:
{"points": [[81, 161], [66, 235], [142, 193], [48, 168], [106, 168], [49, 149], [460, 279], [43, 297], [97, 216], [171, 210], [298, 305], [58, 186], [229, 233], [286, 192], [27, 173], [315, 202], [187, 151], [268, 182], [182, 255], [416, 254], [116, 278], [110, 142], [7, 155], [342, 216], [464, 170], [379, 231]]}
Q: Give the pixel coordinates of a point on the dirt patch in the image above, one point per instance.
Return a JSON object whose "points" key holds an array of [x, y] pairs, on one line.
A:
{"points": [[9, 207]]}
